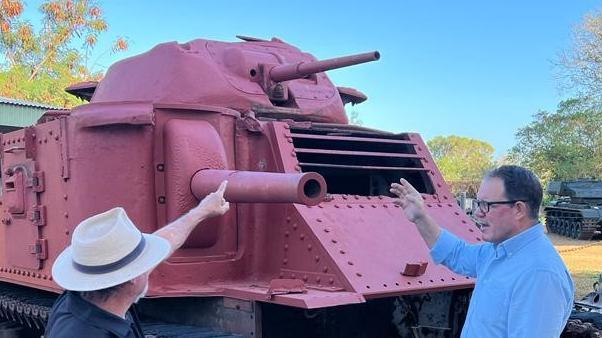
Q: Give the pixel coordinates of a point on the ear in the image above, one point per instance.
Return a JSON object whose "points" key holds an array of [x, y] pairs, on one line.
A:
{"points": [[135, 279], [132, 282], [521, 210]]}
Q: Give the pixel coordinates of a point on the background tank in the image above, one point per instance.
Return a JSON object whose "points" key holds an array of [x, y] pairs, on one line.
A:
{"points": [[312, 246], [576, 211]]}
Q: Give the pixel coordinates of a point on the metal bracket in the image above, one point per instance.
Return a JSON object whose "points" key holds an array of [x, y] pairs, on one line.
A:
{"points": [[285, 286], [38, 215], [415, 269], [276, 92], [37, 181], [40, 249], [250, 123]]}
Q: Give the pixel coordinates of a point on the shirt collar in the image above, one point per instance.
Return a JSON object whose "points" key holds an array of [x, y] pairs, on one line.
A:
{"points": [[97, 317], [513, 244]]}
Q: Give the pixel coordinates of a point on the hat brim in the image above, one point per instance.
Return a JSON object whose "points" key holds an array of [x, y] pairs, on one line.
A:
{"points": [[156, 249]]}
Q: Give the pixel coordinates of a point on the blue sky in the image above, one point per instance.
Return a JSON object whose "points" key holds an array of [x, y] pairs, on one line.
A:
{"points": [[478, 68]]}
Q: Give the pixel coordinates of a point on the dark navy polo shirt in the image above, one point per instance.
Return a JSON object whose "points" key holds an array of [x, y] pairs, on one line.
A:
{"points": [[73, 316]]}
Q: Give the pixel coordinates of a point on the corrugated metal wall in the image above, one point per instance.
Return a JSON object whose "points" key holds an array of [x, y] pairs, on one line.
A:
{"points": [[19, 116]]}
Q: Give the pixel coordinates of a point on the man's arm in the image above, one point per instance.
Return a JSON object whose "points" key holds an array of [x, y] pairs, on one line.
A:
{"points": [[178, 231], [446, 249], [412, 204]]}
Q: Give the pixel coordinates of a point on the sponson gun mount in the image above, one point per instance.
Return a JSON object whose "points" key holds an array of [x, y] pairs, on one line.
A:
{"points": [[258, 187]]}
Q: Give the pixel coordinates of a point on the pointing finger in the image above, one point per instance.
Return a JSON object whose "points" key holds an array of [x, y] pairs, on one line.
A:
{"points": [[409, 188], [222, 188]]}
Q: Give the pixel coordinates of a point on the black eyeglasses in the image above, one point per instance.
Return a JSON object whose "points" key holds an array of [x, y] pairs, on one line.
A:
{"points": [[485, 205]]}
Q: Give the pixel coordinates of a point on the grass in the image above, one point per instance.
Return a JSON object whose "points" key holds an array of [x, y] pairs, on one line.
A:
{"points": [[583, 259]]}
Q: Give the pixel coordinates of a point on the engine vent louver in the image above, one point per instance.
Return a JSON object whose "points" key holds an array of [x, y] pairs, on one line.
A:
{"points": [[360, 163]]}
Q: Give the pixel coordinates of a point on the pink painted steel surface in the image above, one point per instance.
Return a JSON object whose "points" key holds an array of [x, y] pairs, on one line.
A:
{"points": [[151, 140], [260, 187], [181, 74], [303, 69]]}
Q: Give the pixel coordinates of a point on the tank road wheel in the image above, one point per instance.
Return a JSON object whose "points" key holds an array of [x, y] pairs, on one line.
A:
{"points": [[553, 225], [574, 230], [550, 224], [565, 228], [577, 230]]}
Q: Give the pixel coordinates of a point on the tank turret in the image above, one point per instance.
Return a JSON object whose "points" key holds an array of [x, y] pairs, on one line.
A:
{"points": [[270, 78]]}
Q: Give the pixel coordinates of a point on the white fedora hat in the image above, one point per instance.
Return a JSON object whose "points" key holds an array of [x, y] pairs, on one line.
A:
{"points": [[106, 250]]}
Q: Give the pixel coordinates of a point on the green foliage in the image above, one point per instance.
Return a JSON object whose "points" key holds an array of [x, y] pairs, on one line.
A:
{"points": [[566, 144], [40, 64], [462, 160], [580, 67], [15, 83]]}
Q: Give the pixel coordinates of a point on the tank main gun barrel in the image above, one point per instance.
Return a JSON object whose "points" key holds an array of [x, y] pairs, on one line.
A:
{"points": [[303, 69], [261, 187]]}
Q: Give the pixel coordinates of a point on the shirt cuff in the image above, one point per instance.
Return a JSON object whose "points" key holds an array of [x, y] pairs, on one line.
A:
{"points": [[444, 245]]}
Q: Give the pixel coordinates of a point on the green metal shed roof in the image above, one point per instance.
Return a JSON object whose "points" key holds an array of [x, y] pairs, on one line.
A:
{"points": [[20, 113]]}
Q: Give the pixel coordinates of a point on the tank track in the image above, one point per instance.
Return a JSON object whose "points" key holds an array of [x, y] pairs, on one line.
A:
{"points": [[571, 224], [165, 330], [588, 229], [31, 308]]}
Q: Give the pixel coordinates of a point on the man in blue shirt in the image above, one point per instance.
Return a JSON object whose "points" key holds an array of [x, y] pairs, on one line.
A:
{"points": [[523, 288]]}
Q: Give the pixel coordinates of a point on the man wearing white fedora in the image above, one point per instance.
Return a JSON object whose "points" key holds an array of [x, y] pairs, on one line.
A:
{"points": [[106, 269]]}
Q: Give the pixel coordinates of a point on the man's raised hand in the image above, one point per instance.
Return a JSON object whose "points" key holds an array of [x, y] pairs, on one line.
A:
{"points": [[409, 199]]}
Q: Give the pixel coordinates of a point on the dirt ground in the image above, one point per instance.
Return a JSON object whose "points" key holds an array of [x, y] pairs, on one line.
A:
{"points": [[584, 260]]}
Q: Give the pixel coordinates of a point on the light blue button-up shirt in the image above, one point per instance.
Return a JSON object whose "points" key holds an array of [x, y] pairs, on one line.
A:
{"points": [[523, 288]]}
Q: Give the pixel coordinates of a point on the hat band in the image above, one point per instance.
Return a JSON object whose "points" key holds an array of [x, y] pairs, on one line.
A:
{"points": [[106, 268]]}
